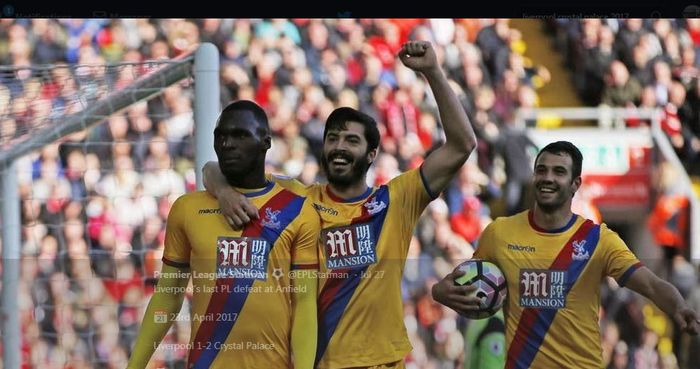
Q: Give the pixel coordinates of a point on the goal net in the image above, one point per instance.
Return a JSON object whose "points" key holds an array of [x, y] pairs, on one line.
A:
{"points": [[101, 152]]}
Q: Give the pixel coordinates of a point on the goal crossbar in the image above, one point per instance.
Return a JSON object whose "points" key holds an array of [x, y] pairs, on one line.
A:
{"points": [[145, 87]]}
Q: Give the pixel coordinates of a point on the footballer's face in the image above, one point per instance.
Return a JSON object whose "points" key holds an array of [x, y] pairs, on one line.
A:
{"points": [[553, 182], [345, 156], [240, 144]]}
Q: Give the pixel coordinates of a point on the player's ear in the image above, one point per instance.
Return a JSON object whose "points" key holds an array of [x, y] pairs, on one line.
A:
{"points": [[575, 184], [371, 155], [267, 142]]}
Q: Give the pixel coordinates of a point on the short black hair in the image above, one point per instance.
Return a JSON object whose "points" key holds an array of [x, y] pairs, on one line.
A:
{"points": [[247, 105], [568, 148], [340, 117]]}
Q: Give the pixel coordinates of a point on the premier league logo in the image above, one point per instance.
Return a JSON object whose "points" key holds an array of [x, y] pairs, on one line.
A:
{"points": [[242, 257], [349, 247]]}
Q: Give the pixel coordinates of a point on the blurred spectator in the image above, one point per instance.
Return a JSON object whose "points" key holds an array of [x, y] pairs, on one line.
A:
{"points": [[687, 71], [620, 89], [668, 223], [646, 356], [516, 148], [627, 38], [620, 358], [467, 223], [596, 62], [493, 40]]}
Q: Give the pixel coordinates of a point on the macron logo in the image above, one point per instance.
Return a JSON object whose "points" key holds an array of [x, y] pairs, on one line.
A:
{"points": [[324, 209], [209, 211], [516, 247]]}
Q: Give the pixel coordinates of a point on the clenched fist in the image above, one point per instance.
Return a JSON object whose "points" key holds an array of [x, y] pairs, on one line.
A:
{"points": [[419, 56]]}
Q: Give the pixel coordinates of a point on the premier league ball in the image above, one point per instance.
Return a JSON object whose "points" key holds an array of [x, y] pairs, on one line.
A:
{"points": [[490, 283]]}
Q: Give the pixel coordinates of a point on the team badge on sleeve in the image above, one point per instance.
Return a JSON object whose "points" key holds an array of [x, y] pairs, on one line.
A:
{"points": [[349, 246], [242, 257]]}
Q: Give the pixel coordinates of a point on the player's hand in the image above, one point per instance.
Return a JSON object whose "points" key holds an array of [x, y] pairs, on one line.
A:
{"points": [[687, 320], [236, 208], [458, 298], [419, 56]]}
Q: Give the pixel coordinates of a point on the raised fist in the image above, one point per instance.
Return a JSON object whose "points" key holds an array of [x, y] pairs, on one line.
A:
{"points": [[418, 55]]}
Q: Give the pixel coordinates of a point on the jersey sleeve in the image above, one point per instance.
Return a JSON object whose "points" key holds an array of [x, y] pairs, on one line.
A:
{"points": [[177, 246], [304, 335], [411, 192], [290, 184], [304, 248], [619, 260]]}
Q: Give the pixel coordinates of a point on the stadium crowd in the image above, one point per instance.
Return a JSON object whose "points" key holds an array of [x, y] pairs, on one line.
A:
{"points": [[94, 205], [650, 63]]}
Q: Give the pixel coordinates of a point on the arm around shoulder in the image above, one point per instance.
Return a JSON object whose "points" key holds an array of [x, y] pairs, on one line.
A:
{"points": [[237, 209]]}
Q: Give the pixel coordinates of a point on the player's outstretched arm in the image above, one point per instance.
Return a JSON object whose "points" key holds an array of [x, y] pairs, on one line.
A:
{"points": [[237, 209], [164, 305], [440, 166], [666, 297], [455, 297]]}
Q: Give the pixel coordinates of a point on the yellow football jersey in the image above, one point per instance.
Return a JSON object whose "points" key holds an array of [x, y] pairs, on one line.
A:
{"points": [[554, 282], [362, 253], [242, 297]]}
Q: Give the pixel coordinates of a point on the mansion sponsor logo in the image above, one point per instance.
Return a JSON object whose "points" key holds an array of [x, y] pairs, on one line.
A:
{"points": [[542, 288], [242, 257], [349, 246]]}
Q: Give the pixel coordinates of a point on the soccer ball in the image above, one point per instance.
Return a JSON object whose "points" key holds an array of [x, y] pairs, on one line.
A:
{"points": [[491, 286]]}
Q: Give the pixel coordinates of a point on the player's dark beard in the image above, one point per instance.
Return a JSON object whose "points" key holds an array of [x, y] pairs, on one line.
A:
{"points": [[358, 169]]}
